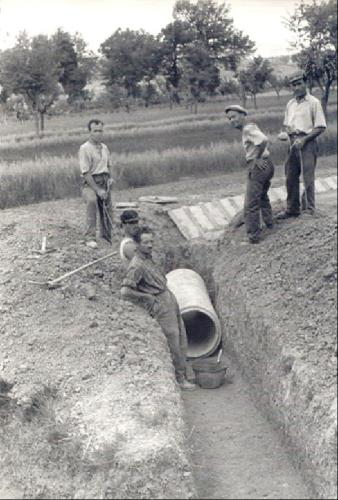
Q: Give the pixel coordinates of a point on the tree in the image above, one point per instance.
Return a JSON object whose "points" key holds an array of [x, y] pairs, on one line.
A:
{"points": [[200, 73], [76, 64], [129, 56], [210, 24], [315, 28], [254, 78], [30, 68], [172, 40], [277, 82], [229, 86]]}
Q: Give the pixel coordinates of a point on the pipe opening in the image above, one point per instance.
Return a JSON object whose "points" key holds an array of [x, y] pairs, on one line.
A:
{"points": [[201, 334]]}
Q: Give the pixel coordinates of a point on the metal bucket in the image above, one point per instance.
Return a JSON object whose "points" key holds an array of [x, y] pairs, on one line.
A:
{"points": [[209, 374], [199, 316]]}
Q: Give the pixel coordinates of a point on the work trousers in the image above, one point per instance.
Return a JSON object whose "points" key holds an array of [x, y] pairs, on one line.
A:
{"points": [[293, 169], [167, 314], [97, 207], [257, 201]]}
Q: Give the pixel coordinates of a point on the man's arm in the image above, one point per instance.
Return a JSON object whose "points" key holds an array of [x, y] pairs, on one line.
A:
{"points": [[300, 143], [129, 289], [260, 148], [101, 193], [85, 165]]}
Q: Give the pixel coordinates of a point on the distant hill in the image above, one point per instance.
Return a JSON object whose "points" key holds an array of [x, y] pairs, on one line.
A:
{"points": [[282, 65]]}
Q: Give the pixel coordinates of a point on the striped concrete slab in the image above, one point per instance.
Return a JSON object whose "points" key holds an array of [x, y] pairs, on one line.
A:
{"points": [[208, 220]]}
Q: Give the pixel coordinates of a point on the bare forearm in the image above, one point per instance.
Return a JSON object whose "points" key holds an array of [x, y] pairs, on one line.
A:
{"points": [[131, 294], [314, 133], [91, 183], [259, 150]]}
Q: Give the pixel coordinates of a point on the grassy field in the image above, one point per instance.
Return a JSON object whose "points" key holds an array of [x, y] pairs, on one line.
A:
{"points": [[160, 148], [151, 136]]}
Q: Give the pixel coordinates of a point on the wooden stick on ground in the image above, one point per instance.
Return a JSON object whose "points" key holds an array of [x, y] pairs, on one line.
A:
{"points": [[70, 273]]}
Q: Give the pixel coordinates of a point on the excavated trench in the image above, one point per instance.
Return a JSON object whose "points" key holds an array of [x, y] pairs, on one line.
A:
{"points": [[243, 443]]}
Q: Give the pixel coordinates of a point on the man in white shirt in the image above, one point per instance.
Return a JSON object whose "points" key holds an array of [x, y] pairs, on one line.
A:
{"points": [[95, 165], [304, 121], [260, 172], [130, 224]]}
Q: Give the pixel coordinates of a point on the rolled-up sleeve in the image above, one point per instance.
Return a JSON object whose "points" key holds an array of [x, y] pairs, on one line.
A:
{"points": [[84, 160], [133, 277], [318, 115], [254, 135]]}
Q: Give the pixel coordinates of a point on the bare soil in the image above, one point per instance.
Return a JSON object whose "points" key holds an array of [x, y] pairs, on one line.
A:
{"points": [[82, 372], [236, 453]]}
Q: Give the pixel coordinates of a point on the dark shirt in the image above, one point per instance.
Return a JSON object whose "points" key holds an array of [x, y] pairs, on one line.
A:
{"points": [[144, 276]]}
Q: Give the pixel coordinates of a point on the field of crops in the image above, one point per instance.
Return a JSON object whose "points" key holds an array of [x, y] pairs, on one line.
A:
{"points": [[150, 147]]}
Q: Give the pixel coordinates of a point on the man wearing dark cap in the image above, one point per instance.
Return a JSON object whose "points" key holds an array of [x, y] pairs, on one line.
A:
{"points": [[130, 224], [304, 121], [260, 172]]}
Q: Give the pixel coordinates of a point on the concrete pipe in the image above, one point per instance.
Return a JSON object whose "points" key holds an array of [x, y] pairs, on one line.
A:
{"points": [[200, 318]]}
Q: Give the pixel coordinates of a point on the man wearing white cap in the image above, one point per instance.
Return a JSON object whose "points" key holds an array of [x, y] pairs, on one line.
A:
{"points": [[260, 172], [304, 121]]}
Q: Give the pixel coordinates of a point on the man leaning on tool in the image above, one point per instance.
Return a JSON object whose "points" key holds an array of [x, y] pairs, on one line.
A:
{"points": [[145, 285], [304, 121], [260, 172], [95, 167]]}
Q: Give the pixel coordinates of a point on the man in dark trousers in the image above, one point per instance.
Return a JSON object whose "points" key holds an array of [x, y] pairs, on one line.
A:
{"points": [[95, 165], [145, 285], [304, 121], [260, 172]]}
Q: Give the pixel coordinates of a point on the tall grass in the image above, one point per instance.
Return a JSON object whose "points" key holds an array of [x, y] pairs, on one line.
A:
{"points": [[58, 177], [154, 136]]}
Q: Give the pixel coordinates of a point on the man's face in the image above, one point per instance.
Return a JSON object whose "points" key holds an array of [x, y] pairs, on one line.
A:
{"points": [[236, 119], [299, 88], [131, 228], [146, 244], [96, 132]]}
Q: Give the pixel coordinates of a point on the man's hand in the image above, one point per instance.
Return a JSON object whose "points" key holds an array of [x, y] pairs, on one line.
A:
{"points": [[110, 183], [261, 164], [299, 143], [101, 193], [283, 136]]}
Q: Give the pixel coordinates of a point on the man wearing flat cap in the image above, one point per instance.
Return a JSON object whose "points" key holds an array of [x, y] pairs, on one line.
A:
{"points": [[260, 172], [304, 121], [130, 224]]}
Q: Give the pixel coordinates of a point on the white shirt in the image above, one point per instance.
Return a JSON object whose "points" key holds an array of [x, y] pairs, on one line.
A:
{"points": [[124, 258], [94, 158], [304, 115], [252, 136]]}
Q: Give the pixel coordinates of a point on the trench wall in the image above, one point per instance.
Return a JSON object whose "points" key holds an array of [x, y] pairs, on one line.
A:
{"points": [[284, 387], [284, 381]]}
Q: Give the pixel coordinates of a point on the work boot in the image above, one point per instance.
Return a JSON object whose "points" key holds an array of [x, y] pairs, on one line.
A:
{"points": [[285, 215], [187, 386], [254, 241], [309, 214]]}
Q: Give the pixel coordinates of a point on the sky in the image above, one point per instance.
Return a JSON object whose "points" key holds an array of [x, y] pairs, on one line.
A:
{"points": [[96, 20]]}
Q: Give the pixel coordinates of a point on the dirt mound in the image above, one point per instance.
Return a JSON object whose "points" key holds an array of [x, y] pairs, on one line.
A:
{"points": [[81, 374], [278, 304]]}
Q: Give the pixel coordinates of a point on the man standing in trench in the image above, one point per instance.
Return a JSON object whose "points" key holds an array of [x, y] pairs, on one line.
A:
{"points": [[304, 121], [145, 285], [260, 173], [130, 224], [95, 167]]}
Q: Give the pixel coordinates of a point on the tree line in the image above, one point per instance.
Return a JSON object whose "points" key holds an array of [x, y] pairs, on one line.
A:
{"points": [[185, 61]]}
